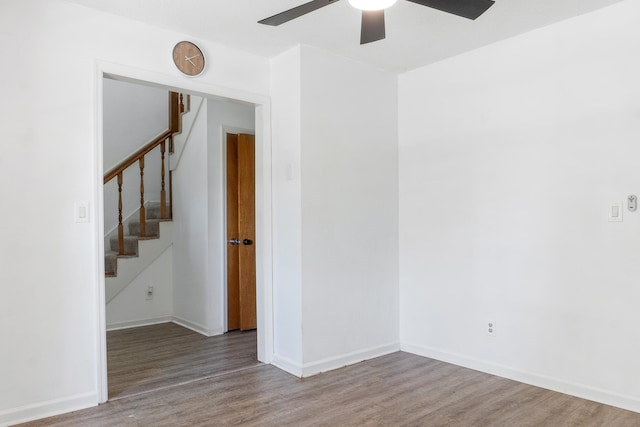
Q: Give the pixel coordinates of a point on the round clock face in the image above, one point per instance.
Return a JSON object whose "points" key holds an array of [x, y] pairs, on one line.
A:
{"points": [[188, 58]]}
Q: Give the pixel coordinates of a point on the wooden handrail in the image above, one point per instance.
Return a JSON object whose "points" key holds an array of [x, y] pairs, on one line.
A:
{"points": [[136, 156], [176, 107]]}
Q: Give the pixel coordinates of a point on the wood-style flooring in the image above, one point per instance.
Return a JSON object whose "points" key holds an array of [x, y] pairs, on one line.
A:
{"points": [[158, 356], [399, 389]]}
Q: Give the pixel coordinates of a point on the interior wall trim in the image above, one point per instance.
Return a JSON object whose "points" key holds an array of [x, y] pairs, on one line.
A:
{"points": [[287, 365], [48, 409], [196, 327], [606, 397], [331, 363], [138, 323]]}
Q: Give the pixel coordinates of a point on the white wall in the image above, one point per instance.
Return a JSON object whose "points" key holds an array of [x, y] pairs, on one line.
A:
{"points": [[133, 114], [287, 238], [131, 307], [335, 211], [50, 268], [192, 294], [349, 180], [509, 157]]}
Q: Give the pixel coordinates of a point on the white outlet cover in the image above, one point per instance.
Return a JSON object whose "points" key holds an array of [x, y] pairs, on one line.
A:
{"points": [[490, 328]]}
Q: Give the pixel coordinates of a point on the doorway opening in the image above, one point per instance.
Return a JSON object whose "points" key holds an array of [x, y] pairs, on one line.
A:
{"points": [[241, 252], [262, 337]]}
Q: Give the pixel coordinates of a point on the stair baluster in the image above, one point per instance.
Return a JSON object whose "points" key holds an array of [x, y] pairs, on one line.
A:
{"points": [[120, 226], [163, 194], [143, 214]]}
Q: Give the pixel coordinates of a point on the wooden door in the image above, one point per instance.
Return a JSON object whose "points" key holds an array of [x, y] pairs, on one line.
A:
{"points": [[241, 249]]}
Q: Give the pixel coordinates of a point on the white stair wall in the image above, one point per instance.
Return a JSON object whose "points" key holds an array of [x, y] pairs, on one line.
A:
{"points": [[130, 268], [132, 307]]}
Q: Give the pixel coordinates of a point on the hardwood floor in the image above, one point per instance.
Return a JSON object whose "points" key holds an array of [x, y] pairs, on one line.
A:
{"points": [[153, 357], [395, 390]]}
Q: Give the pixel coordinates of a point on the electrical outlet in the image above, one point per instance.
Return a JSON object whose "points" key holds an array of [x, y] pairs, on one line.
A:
{"points": [[490, 326], [149, 292]]}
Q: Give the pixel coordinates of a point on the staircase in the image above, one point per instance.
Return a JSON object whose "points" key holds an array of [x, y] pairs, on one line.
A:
{"points": [[141, 251], [132, 239], [149, 229]]}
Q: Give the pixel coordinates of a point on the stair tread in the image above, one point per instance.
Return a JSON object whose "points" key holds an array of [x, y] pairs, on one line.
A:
{"points": [[130, 238], [126, 237], [153, 226], [148, 220]]}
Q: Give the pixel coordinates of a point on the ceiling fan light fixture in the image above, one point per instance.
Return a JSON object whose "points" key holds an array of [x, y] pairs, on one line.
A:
{"points": [[371, 4]]}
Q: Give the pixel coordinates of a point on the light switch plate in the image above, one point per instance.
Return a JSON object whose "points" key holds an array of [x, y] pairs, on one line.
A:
{"points": [[81, 212], [615, 212]]}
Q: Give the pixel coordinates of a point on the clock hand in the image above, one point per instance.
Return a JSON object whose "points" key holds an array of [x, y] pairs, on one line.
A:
{"points": [[189, 59]]}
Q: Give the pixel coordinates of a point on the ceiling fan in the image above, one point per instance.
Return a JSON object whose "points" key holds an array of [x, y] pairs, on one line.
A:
{"points": [[372, 28]]}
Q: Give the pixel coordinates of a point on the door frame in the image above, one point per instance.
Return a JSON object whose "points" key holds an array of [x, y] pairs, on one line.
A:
{"points": [[264, 232]]}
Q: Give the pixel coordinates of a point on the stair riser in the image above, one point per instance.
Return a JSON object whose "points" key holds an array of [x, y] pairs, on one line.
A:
{"points": [[110, 264], [130, 245], [153, 211], [152, 228]]}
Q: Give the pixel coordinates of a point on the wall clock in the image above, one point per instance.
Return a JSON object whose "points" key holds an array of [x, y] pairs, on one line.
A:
{"points": [[188, 58]]}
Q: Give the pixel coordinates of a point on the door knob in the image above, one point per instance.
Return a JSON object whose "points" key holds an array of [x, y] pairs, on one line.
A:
{"points": [[234, 241], [247, 242]]}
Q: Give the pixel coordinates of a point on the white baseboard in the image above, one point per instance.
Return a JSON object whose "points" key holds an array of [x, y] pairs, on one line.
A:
{"points": [[166, 319], [630, 403], [138, 323], [196, 327], [331, 363], [47, 409], [287, 365]]}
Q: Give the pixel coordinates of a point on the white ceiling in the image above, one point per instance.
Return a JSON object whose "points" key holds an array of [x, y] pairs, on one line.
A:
{"points": [[416, 35]]}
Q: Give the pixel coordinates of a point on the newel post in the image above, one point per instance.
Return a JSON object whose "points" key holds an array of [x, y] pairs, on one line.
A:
{"points": [[174, 112], [163, 194]]}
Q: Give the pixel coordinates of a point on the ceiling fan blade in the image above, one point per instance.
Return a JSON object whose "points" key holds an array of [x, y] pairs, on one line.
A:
{"points": [[372, 26], [466, 8], [296, 12]]}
